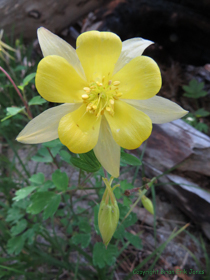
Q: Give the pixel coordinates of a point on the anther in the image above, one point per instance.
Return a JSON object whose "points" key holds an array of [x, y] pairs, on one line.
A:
{"points": [[119, 94], [108, 109], [85, 96], [116, 83], [99, 84], [110, 82], [87, 89], [111, 101], [89, 107]]}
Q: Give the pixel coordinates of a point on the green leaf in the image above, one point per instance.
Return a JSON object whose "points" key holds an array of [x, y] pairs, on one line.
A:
{"points": [[20, 68], [87, 162], [15, 245], [21, 87], [81, 238], [127, 201], [66, 156], [129, 159], [28, 78], [52, 206], [84, 225], [111, 254], [22, 204], [37, 179], [123, 210], [130, 220], [124, 185], [195, 89], [202, 127], [43, 155], [120, 232], [134, 240], [103, 256], [37, 100], [60, 180], [46, 186], [12, 111], [39, 201], [30, 234], [20, 194], [201, 113], [21, 226], [53, 143], [118, 193], [14, 214], [66, 223]]}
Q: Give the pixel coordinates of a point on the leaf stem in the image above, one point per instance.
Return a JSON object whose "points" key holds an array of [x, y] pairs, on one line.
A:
{"points": [[18, 92]]}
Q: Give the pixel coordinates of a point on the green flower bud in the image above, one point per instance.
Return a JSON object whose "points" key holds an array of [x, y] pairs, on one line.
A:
{"points": [[147, 203], [108, 215]]}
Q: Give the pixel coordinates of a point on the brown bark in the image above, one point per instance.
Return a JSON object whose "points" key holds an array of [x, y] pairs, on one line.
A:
{"points": [[28, 15], [178, 144]]}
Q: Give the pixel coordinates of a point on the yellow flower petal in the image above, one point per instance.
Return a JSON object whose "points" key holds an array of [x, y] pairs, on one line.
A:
{"points": [[57, 80], [79, 130], [131, 48], [139, 79], [98, 53], [159, 109], [44, 127], [129, 126], [51, 44], [107, 150]]}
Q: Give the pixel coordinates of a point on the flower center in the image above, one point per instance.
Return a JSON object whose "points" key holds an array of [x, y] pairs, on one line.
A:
{"points": [[99, 97]]}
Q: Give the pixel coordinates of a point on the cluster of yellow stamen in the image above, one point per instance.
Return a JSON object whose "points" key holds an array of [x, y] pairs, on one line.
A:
{"points": [[99, 97]]}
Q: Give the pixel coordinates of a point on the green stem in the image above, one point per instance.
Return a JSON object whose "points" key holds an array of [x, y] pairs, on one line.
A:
{"points": [[15, 152], [54, 159]]}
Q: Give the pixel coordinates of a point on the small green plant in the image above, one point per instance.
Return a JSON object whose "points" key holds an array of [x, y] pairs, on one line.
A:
{"points": [[195, 90]]}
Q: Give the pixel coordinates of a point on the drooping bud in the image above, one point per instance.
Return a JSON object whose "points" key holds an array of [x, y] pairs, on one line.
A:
{"points": [[147, 203], [108, 215]]}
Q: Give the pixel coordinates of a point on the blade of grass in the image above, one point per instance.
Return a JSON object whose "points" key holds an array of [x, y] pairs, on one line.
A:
{"points": [[158, 251], [15, 152]]}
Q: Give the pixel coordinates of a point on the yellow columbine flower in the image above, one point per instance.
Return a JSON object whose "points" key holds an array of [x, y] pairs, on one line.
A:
{"points": [[109, 93]]}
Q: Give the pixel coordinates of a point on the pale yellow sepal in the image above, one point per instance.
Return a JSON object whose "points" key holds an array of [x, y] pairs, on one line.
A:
{"points": [[107, 150], [51, 44], [44, 127], [159, 109], [131, 48]]}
